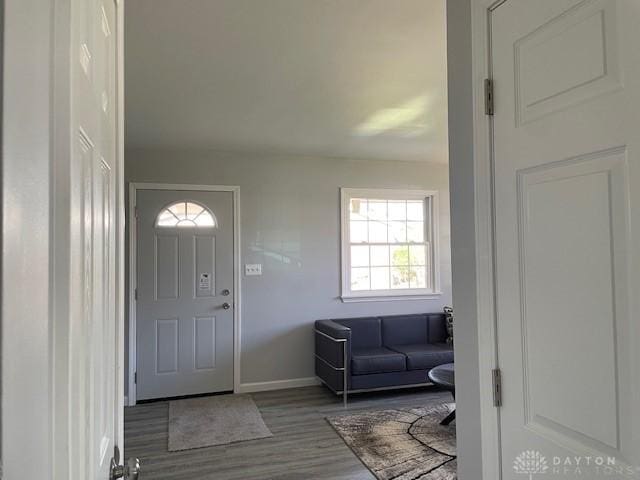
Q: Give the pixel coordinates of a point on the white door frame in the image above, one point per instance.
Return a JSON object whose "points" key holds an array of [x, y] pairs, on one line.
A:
{"points": [[28, 158], [133, 273], [485, 236], [120, 226]]}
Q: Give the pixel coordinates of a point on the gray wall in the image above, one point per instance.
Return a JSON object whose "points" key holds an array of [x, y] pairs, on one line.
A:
{"points": [[463, 238], [290, 207]]}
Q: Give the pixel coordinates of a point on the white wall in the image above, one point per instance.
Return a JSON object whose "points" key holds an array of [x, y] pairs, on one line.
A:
{"points": [[463, 239], [27, 329], [290, 206]]}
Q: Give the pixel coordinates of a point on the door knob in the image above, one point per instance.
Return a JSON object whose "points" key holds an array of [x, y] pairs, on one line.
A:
{"points": [[226, 306], [130, 471]]}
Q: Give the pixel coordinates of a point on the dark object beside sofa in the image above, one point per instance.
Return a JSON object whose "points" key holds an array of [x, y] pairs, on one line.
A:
{"points": [[355, 354]]}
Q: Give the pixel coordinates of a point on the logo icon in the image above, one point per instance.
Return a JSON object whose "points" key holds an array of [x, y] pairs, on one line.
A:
{"points": [[530, 463]]}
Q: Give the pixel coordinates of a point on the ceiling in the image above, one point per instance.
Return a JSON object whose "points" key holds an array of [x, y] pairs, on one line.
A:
{"points": [[359, 79]]}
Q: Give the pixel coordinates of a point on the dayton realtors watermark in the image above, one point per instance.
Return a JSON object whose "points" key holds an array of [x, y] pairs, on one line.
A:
{"points": [[533, 463]]}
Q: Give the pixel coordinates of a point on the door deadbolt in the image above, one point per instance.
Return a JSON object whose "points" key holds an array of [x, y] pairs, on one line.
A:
{"points": [[225, 292]]}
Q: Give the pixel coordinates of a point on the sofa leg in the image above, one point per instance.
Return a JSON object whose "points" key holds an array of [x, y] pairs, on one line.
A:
{"points": [[449, 418]]}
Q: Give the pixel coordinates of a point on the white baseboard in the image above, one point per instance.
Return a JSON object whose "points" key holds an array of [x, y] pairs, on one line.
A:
{"points": [[278, 385], [126, 401]]}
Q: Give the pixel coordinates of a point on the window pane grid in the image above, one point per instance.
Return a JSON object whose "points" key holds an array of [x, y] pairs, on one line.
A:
{"points": [[185, 214], [387, 221], [363, 255], [389, 244]]}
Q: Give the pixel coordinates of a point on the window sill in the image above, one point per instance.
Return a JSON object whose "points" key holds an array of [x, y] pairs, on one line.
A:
{"points": [[388, 298]]}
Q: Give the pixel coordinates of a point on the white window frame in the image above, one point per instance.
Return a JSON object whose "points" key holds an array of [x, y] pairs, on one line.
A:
{"points": [[347, 295]]}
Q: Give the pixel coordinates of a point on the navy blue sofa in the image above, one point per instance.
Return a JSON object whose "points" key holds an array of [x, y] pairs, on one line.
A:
{"points": [[355, 354]]}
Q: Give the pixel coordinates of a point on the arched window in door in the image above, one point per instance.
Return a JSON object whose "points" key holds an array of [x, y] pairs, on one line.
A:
{"points": [[186, 214]]}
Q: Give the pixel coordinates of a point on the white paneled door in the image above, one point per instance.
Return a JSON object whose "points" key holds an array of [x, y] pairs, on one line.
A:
{"points": [[95, 340], [185, 293], [567, 213]]}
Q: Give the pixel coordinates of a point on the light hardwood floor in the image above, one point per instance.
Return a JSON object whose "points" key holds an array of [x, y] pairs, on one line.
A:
{"points": [[303, 447]]}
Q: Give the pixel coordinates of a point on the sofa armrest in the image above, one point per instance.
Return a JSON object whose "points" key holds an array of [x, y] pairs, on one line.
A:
{"points": [[333, 329], [333, 355], [330, 339]]}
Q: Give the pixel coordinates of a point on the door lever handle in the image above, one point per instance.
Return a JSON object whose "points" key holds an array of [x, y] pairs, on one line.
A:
{"points": [[130, 471], [226, 306]]}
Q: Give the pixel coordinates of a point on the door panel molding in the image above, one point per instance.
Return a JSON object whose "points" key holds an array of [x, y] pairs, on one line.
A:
{"points": [[134, 187], [169, 251], [198, 240], [167, 339], [603, 177], [203, 360], [593, 25]]}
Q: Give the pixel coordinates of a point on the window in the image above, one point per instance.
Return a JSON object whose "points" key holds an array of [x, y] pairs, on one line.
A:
{"points": [[389, 244], [185, 214]]}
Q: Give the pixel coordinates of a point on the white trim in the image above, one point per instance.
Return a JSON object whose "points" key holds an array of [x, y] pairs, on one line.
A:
{"points": [[388, 193], [121, 223], [133, 274], [185, 187], [347, 295], [62, 235], [278, 385], [484, 238], [388, 298], [237, 284]]}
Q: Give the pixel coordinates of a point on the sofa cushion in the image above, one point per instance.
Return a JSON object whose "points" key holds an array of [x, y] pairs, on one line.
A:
{"points": [[365, 332], [376, 360], [425, 356], [404, 329]]}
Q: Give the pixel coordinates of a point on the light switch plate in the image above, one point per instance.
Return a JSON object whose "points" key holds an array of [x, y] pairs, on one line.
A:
{"points": [[251, 269]]}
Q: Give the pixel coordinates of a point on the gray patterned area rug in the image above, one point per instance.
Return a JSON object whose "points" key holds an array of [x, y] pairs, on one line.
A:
{"points": [[402, 444]]}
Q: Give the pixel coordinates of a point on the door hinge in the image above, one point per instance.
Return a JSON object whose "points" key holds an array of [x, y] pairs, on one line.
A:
{"points": [[488, 96], [135, 211], [497, 387], [135, 378], [135, 294]]}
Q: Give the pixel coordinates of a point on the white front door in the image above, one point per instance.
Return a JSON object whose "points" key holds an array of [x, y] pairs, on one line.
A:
{"points": [[94, 337], [567, 213], [185, 293]]}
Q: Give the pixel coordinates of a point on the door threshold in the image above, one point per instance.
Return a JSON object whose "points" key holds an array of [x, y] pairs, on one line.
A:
{"points": [[183, 397]]}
